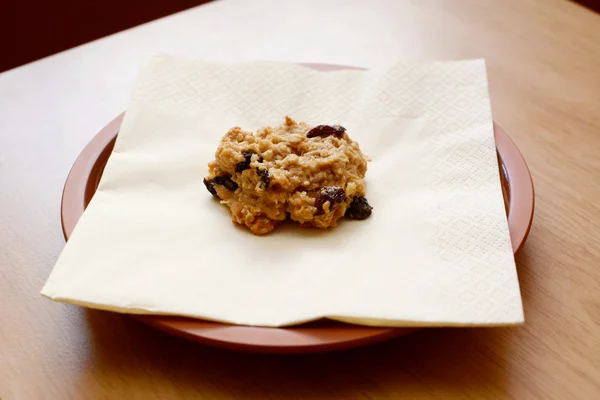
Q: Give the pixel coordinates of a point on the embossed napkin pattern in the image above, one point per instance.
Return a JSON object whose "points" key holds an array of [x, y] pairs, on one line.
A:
{"points": [[435, 252]]}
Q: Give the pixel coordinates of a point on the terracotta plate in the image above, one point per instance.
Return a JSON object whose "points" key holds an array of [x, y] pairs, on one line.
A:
{"points": [[85, 175]]}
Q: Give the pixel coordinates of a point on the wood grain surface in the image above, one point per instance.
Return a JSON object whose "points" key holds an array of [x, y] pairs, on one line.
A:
{"points": [[544, 70]]}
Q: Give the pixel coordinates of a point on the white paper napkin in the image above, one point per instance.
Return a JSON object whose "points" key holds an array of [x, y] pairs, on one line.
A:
{"points": [[436, 250]]}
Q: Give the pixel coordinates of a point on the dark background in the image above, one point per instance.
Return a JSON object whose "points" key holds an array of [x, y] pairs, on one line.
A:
{"points": [[33, 29]]}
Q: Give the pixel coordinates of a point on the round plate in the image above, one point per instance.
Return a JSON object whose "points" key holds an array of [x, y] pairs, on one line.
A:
{"points": [[319, 336]]}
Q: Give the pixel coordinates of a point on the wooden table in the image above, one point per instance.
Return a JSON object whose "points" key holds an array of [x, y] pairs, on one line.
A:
{"points": [[544, 70]]}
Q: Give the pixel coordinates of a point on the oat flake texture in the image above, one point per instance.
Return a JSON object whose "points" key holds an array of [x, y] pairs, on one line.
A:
{"points": [[284, 172]]}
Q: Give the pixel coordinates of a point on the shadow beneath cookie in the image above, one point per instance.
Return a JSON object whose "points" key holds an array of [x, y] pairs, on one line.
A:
{"points": [[431, 362], [293, 228]]}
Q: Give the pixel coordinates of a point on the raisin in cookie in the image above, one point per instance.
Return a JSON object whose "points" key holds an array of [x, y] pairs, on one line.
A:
{"points": [[312, 175]]}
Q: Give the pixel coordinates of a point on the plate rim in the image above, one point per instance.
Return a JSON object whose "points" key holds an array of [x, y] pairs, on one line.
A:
{"points": [[79, 189]]}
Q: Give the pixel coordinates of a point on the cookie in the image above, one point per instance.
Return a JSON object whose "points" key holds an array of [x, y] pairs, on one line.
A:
{"points": [[310, 174]]}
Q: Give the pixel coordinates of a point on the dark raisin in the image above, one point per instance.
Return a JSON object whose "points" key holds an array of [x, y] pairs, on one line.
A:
{"points": [[326, 130], [244, 165], [359, 208], [224, 181], [265, 178], [210, 186], [332, 194]]}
